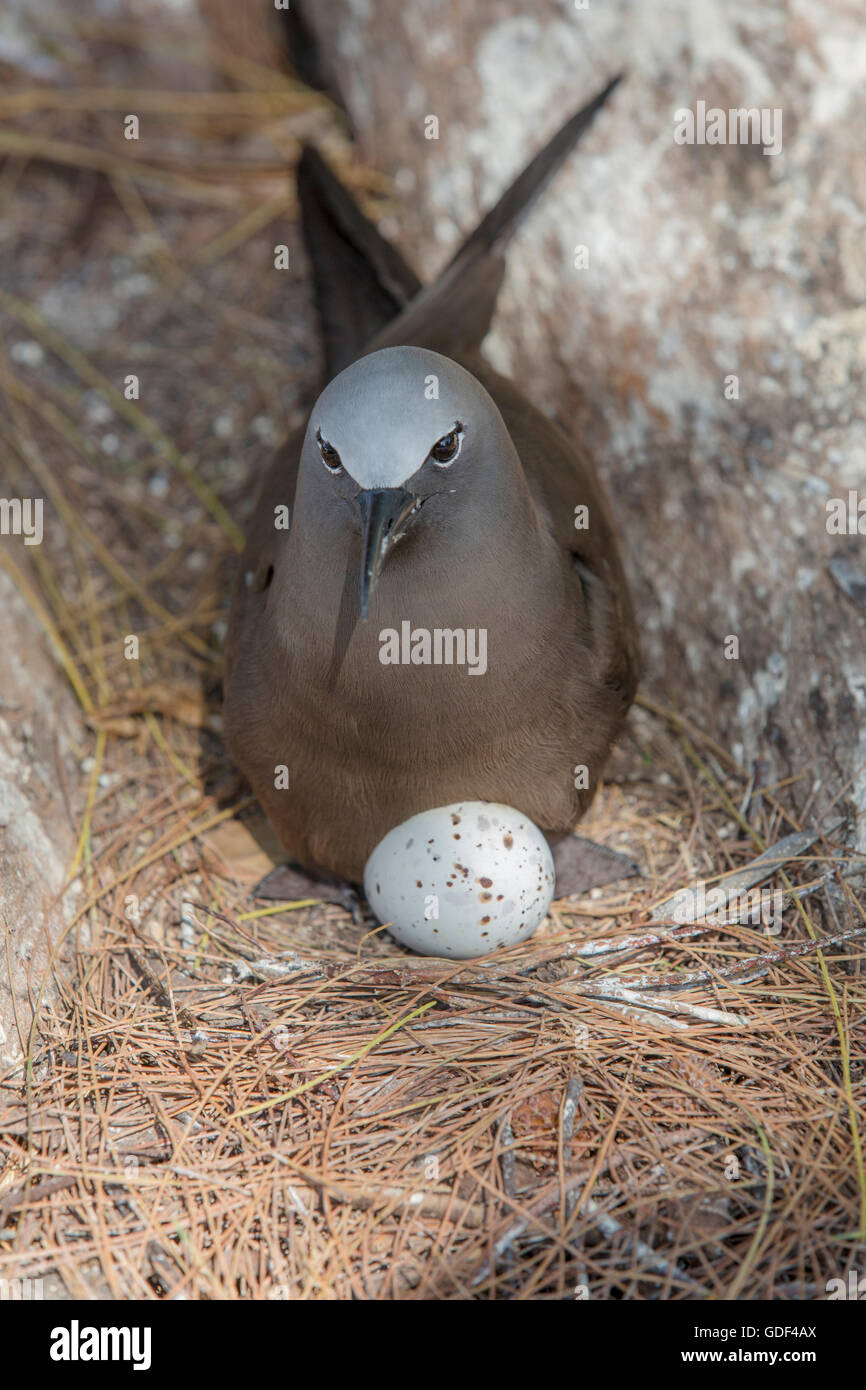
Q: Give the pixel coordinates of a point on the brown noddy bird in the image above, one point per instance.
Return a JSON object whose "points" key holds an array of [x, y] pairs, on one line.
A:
{"points": [[431, 512]]}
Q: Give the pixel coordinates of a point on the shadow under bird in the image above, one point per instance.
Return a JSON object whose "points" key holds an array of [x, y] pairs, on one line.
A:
{"points": [[432, 510]]}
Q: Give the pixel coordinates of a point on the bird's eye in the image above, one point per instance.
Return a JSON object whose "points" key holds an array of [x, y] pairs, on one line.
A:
{"points": [[446, 449], [330, 457]]}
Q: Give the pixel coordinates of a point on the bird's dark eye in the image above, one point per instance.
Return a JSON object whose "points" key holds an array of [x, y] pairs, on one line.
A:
{"points": [[446, 449], [330, 457]]}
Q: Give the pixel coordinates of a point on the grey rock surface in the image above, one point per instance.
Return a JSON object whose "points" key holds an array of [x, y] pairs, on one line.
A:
{"points": [[38, 729]]}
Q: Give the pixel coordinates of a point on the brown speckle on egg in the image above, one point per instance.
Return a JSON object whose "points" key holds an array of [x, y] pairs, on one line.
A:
{"points": [[508, 841]]}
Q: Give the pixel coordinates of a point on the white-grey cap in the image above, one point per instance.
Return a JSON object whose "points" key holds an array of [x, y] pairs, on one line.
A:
{"points": [[385, 413]]}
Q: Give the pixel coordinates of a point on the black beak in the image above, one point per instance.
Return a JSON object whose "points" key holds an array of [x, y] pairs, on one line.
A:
{"points": [[386, 513]]}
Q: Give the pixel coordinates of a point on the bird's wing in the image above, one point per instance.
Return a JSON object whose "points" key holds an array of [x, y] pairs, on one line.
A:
{"points": [[360, 281], [257, 563], [563, 479], [453, 314]]}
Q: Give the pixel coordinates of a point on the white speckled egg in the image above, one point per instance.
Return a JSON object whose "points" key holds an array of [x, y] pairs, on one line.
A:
{"points": [[461, 880]]}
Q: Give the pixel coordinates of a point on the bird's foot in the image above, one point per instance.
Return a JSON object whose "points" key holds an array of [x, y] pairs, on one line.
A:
{"points": [[291, 883], [581, 864]]}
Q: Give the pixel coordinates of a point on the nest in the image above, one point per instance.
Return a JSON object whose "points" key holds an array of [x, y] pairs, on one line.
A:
{"points": [[226, 1101]]}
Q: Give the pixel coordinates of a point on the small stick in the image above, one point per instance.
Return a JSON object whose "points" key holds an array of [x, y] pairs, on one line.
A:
{"points": [[779, 854], [613, 990]]}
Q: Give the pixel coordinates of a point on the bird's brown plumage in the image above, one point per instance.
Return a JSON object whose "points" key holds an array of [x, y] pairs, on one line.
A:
{"points": [[365, 745]]}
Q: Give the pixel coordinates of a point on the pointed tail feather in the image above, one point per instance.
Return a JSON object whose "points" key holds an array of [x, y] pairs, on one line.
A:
{"points": [[502, 221], [361, 282], [309, 59], [368, 297], [453, 314]]}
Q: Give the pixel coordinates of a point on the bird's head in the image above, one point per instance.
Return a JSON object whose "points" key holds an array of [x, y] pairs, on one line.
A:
{"points": [[405, 437]]}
